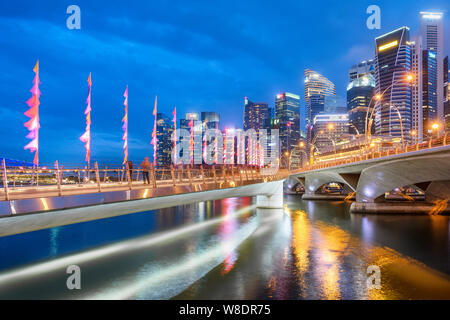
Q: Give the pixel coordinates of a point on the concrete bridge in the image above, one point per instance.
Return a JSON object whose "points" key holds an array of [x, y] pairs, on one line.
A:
{"points": [[58, 201], [371, 177]]}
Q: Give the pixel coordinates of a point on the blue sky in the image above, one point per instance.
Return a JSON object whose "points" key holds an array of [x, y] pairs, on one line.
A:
{"points": [[195, 55]]}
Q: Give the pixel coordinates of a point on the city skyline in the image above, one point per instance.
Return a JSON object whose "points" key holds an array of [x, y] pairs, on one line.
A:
{"points": [[106, 129]]}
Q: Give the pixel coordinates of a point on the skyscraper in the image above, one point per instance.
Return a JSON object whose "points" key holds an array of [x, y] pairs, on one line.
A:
{"points": [[416, 89], [287, 111], [211, 120], [432, 32], [317, 87], [429, 91], [256, 115], [359, 94], [164, 130], [393, 111], [446, 95]]}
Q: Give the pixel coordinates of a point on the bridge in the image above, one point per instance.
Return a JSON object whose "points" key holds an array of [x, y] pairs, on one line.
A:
{"points": [[370, 174], [63, 196], [40, 198]]}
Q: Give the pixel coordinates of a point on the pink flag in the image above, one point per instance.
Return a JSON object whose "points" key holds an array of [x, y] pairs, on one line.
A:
{"points": [[154, 140], [86, 137], [33, 114], [125, 127]]}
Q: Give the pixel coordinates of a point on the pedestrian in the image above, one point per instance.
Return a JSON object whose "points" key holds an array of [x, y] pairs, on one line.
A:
{"points": [[145, 165], [130, 169]]}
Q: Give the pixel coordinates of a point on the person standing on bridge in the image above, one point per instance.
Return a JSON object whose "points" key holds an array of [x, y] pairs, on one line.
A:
{"points": [[145, 165], [130, 169]]}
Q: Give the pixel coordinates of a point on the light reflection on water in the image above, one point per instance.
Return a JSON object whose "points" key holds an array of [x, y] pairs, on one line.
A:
{"points": [[228, 249]]}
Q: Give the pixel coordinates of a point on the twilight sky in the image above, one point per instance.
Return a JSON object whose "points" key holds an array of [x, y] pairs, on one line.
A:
{"points": [[195, 55]]}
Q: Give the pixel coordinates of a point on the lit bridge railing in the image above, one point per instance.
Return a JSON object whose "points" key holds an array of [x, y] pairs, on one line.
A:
{"points": [[371, 153], [26, 183]]}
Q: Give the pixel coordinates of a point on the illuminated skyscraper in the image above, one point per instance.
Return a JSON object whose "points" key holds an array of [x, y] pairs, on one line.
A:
{"points": [[432, 32], [211, 119], [393, 111], [317, 87], [446, 95], [164, 130], [256, 115], [416, 90], [429, 91], [329, 129], [359, 94], [287, 112]]}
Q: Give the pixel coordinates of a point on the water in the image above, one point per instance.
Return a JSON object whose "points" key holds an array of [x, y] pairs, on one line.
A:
{"points": [[228, 249]]}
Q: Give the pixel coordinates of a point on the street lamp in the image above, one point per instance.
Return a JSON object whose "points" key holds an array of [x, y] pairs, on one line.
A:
{"points": [[435, 127]]}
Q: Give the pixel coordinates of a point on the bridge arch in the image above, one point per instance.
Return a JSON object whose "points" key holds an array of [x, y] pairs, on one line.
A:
{"points": [[315, 180], [378, 179]]}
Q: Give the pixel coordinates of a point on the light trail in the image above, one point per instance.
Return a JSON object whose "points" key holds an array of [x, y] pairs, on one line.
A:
{"points": [[95, 254]]}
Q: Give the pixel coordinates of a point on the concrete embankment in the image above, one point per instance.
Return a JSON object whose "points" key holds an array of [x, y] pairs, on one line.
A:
{"points": [[411, 208]]}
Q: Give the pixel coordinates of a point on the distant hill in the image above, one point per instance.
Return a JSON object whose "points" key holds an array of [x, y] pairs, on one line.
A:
{"points": [[15, 163]]}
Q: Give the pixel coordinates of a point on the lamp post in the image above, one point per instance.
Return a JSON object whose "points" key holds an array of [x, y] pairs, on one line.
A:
{"points": [[435, 127]]}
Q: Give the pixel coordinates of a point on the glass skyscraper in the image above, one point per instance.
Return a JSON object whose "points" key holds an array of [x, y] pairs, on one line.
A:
{"points": [[317, 87], [164, 145], [393, 111], [256, 115], [287, 112], [359, 93], [429, 91], [432, 32]]}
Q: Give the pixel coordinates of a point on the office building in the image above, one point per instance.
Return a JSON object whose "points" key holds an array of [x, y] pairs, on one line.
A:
{"points": [[393, 71], [416, 90], [210, 120], [432, 32], [256, 115], [429, 91], [164, 146], [329, 129], [287, 111], [360, 94]]}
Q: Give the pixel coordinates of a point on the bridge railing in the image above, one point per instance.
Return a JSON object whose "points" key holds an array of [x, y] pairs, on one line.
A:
{"points": [[67, 180], [371, 153]]}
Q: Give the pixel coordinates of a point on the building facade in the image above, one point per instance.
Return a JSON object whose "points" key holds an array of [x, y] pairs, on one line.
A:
{"points": [[317, 87], [432, 32], [360, 94], [256, 115], [393, 68], [429, 91], [416, 90], [329, 130], [287, 112], [164, 145]]}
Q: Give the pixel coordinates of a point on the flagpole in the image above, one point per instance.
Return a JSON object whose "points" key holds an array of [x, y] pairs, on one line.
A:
{"points": [[125, 127]]}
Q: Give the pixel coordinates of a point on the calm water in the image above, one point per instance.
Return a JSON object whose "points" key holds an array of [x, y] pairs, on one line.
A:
{"points": [[228, 249]]}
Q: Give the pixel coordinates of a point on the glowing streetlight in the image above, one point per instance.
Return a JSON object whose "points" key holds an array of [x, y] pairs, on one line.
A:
{"points": [[330, 126]]}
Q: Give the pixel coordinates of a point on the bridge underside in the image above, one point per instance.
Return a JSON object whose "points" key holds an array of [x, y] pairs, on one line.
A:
{"points": [[89, 207], [371, 181]]}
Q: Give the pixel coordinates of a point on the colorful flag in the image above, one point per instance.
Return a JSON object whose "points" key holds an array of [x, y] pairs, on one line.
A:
{"points": [[86, 137], [125, 128], [154, 139], [33, 113]]}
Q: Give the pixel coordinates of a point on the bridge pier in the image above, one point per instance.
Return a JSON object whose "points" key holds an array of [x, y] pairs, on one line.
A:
{"points": [[271, 201]]}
